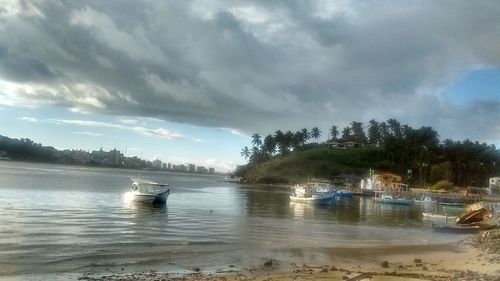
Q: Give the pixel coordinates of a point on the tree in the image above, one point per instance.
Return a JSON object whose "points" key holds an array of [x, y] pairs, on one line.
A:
{"points": [[384, 132], [373, 132], [281, 142], [306, 135], [269, 145], [245, 152], [256, 140], [334, 132], [288, 140], [346, 134], [316, 133], [395, 127], [357, 132], [298, 140]]}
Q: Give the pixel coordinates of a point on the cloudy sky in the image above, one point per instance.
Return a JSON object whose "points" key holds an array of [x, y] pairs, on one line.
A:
{"points": [[189, 81]]}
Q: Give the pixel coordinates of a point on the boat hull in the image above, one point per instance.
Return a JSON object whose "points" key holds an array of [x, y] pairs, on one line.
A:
{"points": [[455, 229], [150, 198], [313, 200], [394, 201]]}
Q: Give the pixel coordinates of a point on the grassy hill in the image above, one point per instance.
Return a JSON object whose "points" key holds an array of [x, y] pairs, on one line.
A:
{"points": [[318, 162]]}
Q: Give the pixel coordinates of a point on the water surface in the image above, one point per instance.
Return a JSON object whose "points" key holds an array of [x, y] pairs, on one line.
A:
{"points": [[66, 219]]}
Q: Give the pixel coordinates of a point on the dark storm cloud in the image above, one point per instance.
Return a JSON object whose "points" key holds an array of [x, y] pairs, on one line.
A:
{"points": [[257, 66]]}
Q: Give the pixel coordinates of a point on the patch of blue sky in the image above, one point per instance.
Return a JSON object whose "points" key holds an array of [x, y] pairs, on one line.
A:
{"points": [[477, 85]]}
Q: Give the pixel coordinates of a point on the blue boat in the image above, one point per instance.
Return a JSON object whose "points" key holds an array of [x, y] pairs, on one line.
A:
{"points": [[389, 199], [343, 194]]}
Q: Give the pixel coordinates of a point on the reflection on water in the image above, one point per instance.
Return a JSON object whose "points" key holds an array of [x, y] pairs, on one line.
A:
{"points": [[74, 219]]}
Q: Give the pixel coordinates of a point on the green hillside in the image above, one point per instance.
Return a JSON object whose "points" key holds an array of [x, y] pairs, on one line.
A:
{"points": [[319, 162], [290, 157]]}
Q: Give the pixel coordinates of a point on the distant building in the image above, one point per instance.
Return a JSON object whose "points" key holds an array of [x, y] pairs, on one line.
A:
{"points": [[182, 168], [389, 182], [169, 166], [164, 166], [343, 144], [191, 168], [495, 185], [201, 170], [99, 157], [211, 171], [495, 182], [115, 157]]}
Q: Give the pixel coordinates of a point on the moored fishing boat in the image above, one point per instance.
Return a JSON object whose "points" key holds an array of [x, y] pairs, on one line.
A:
{"points": [[312, 194], [149, 191], [386, 198], [426, 200]]}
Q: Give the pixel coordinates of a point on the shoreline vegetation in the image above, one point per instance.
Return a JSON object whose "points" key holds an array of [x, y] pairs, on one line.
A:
{"points": [[475, 258], [418, 155]]}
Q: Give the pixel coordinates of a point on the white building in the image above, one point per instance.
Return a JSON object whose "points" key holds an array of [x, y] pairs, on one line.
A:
{"points": [[495, 182], [495, 185]]}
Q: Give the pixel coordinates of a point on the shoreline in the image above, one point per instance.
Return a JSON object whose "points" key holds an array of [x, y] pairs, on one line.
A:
{"points": [[469, 259]]}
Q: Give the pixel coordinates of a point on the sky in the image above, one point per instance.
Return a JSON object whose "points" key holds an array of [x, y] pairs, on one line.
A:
{"points": [[191, 81]]}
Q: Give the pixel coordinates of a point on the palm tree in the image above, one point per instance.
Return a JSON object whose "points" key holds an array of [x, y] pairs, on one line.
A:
{"points": [[245, 152], [346, 134], [395, 127], [315, 133], [288, 140], [298, 140], [373, 132], [358, 133], [306, 135], [256, 140], [269, 145], [334, 132]]}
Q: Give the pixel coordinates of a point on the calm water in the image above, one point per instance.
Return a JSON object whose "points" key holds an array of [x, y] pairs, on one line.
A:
{"points": [[71, 219]]}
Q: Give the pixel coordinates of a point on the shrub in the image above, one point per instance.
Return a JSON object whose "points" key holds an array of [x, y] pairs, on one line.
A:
{"points": [[443, 185]]}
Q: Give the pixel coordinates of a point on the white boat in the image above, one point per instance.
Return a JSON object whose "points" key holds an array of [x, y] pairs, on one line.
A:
{"points": [[426, 200], [312, 194], [389, 199], [434, 216], [149, 191]]}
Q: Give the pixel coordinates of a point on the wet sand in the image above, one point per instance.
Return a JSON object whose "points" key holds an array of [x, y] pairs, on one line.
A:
{"points": [[469, 259]]}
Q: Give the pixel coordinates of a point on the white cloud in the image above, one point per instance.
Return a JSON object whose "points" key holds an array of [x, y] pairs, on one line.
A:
{"points": [[154, 132], [91, 134], [128, 121], [30, 119]]}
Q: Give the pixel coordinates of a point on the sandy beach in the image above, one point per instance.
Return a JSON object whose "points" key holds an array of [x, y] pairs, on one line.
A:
{"points": [[473, 258]]}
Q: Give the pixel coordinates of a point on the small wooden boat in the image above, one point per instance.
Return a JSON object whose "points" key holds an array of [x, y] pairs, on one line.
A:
{"points": [[478, 214]]}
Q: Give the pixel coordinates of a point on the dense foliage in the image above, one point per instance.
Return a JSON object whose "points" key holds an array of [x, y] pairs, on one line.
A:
{"points": [[417, 154]]}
